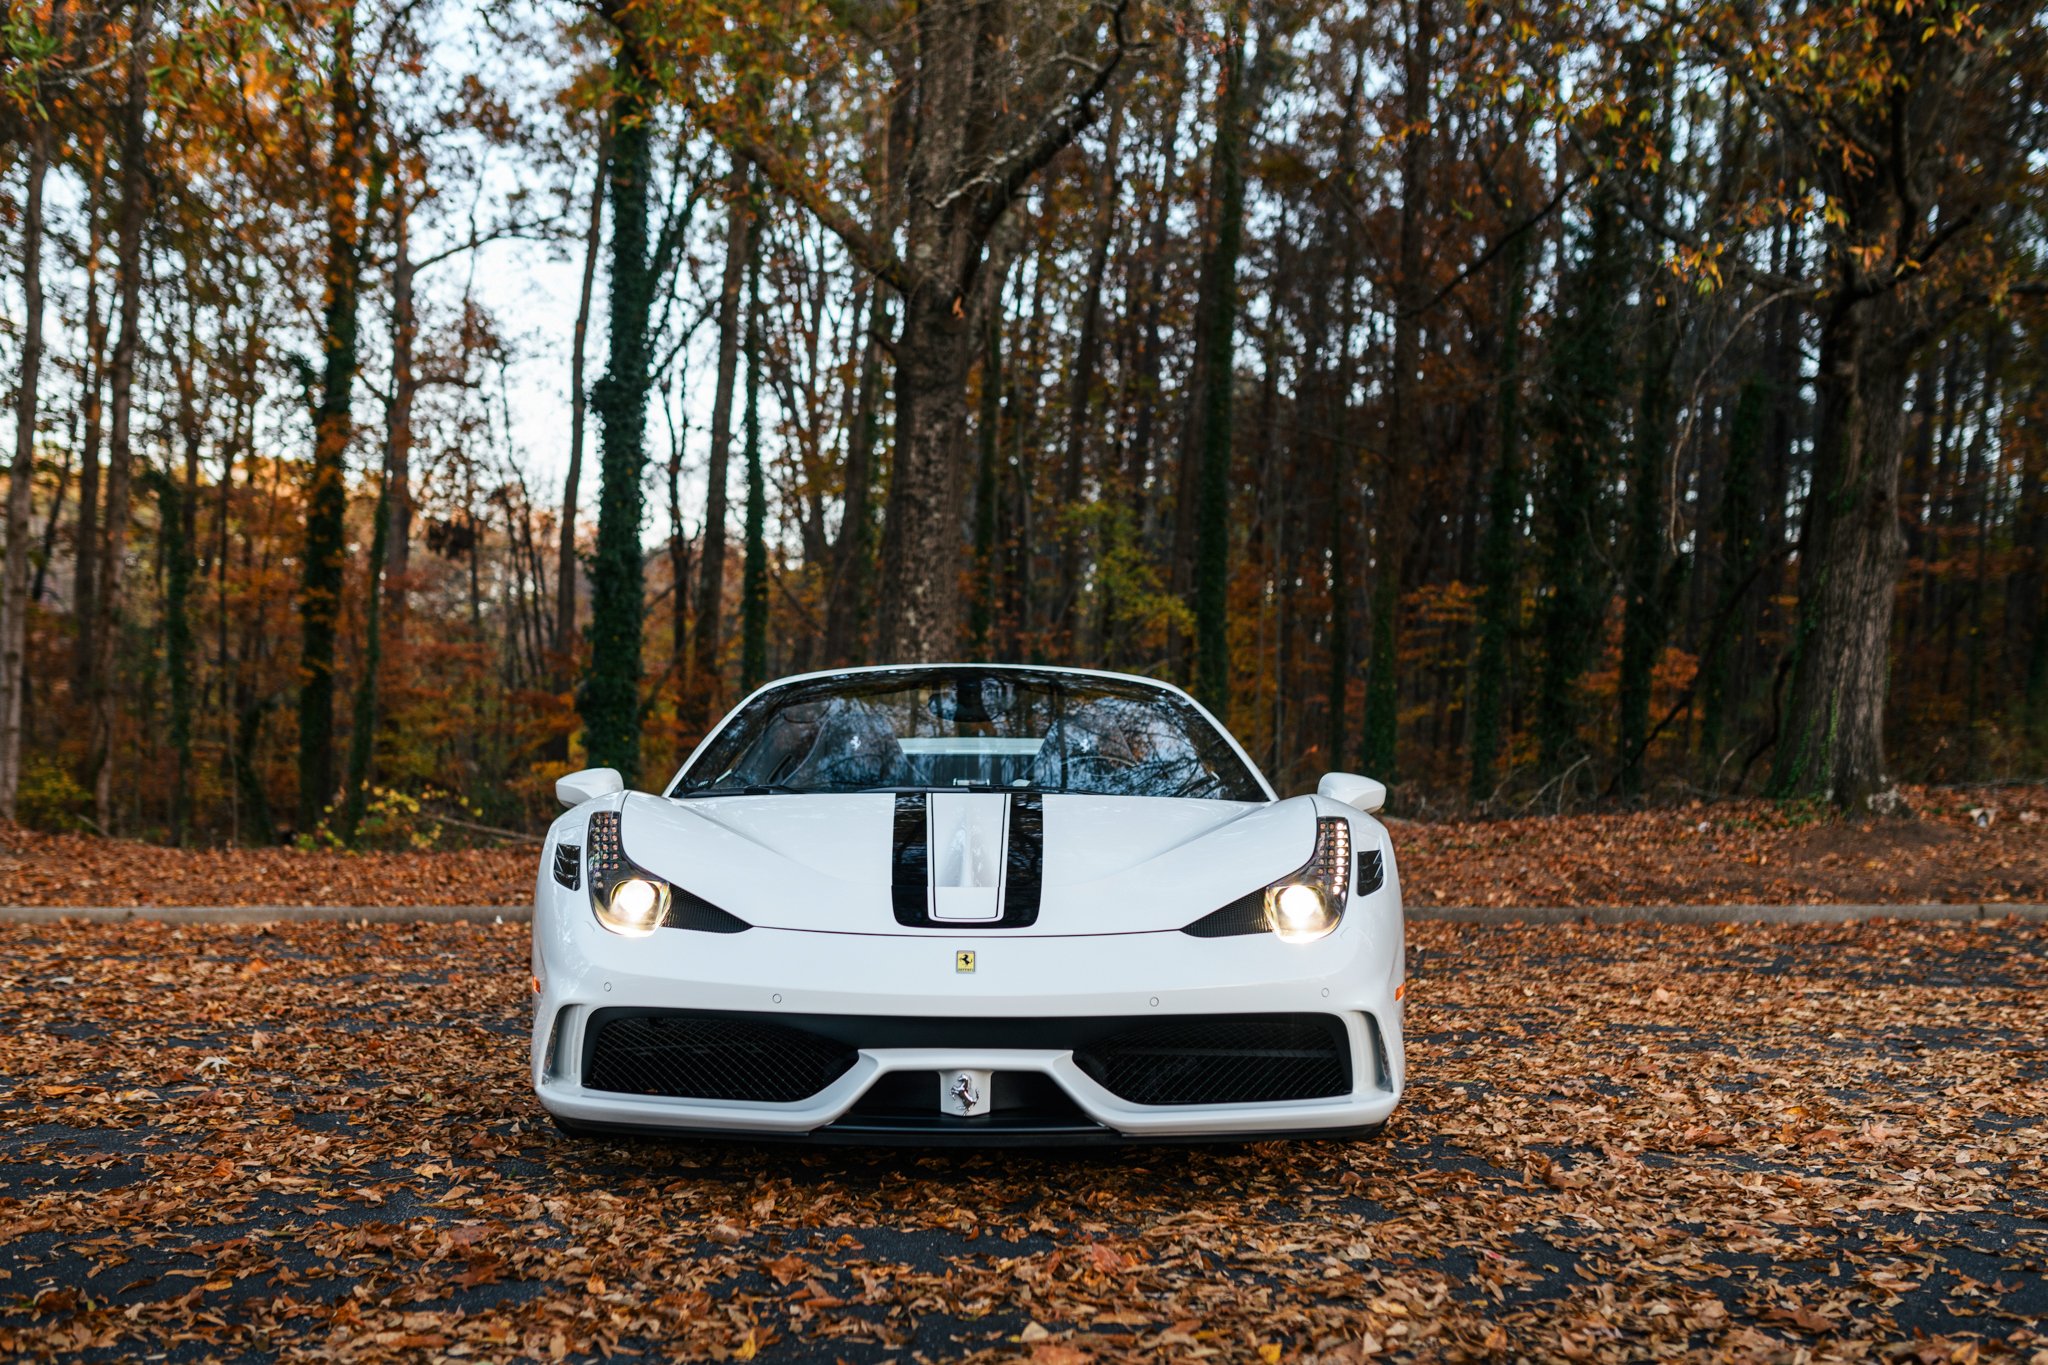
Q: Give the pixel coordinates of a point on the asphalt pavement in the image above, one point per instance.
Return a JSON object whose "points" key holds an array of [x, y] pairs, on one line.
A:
{"points": [[315, 1140]]}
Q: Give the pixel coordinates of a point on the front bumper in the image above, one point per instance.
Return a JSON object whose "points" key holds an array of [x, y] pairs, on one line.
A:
{"points": [[1353, 976]]}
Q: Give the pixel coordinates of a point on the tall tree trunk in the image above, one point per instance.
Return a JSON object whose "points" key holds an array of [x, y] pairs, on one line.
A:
{"points": [[1742, 523], [572, 484], [1081, 391], [174, 520], [1499, 603], [85, 543], [1651, 577], [178, 524], [609, 698], [1403, 455], [39, 583], [362, 737], [1832, 745], [1145, 364], [988, 439], [1580, 411], [921, 543], [754, 563], [21, 475], [965, 169], [120, 385], [396, 489], [1219, 327], [678, 565], [1983, 497], [846, 608], [703, 690], [326, 551]]}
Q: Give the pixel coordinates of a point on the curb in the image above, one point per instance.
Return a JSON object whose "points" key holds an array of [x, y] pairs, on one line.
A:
{"points": [[1499, 916], [267, 914], [1725, 914]]}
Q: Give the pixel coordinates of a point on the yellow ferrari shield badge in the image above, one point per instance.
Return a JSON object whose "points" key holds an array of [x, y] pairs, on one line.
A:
{"points": [[963, 961]]}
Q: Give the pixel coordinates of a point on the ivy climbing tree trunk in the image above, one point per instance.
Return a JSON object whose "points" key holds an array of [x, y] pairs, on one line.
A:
{"points": [[609, 699], [326, 547]]}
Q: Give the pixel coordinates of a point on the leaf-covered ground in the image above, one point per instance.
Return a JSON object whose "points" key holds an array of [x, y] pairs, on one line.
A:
{"points": [[1989, 844], [316, 1140]]}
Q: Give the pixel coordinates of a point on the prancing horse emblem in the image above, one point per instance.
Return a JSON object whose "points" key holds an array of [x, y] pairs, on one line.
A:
{"points": [[965, 1093], [963, 961]]}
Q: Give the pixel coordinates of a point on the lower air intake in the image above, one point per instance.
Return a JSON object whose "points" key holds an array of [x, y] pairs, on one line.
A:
{"points": [[1231, 1059], [697, 1057]]}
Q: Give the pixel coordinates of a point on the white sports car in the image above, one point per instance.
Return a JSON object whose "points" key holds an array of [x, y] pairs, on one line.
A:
{"points": [[968, 903]]}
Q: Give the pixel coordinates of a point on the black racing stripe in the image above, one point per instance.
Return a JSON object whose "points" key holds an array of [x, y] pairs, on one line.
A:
{"points": [[1024, 865], [910, 862]]}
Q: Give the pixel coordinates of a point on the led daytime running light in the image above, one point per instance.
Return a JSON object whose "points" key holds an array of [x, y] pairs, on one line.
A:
{"points": [[1307, 905], [625, 898]]}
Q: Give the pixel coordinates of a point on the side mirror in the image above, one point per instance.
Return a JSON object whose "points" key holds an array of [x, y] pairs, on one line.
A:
{"points": [[588, 785], [1360, 793]]}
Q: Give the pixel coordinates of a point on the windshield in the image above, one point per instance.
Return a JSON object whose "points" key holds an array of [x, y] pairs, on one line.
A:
{"points": [[971, 728]]}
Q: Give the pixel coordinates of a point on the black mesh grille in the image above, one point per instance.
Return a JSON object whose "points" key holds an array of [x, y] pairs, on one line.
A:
{"points": [[708, 1058], [568, 865], [1241, 1059]]}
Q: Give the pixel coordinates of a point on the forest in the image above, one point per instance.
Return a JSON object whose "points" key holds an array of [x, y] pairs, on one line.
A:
{"points": [[1537, 405]]}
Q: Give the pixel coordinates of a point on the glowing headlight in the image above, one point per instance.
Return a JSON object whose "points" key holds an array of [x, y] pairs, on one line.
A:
{"points": [[1307, 905], [1298, 912], [626, 899], [635, 907]]}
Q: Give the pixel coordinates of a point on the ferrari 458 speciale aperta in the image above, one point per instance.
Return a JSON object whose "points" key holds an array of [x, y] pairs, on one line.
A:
{"points": [[970, 903]]}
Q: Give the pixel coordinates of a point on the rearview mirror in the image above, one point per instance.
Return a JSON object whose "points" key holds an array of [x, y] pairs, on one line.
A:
{"points": [[1360, 793], [588, 785]]}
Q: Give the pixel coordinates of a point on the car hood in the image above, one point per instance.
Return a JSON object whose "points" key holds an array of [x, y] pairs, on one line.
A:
{"points": [[1104, 864]]}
